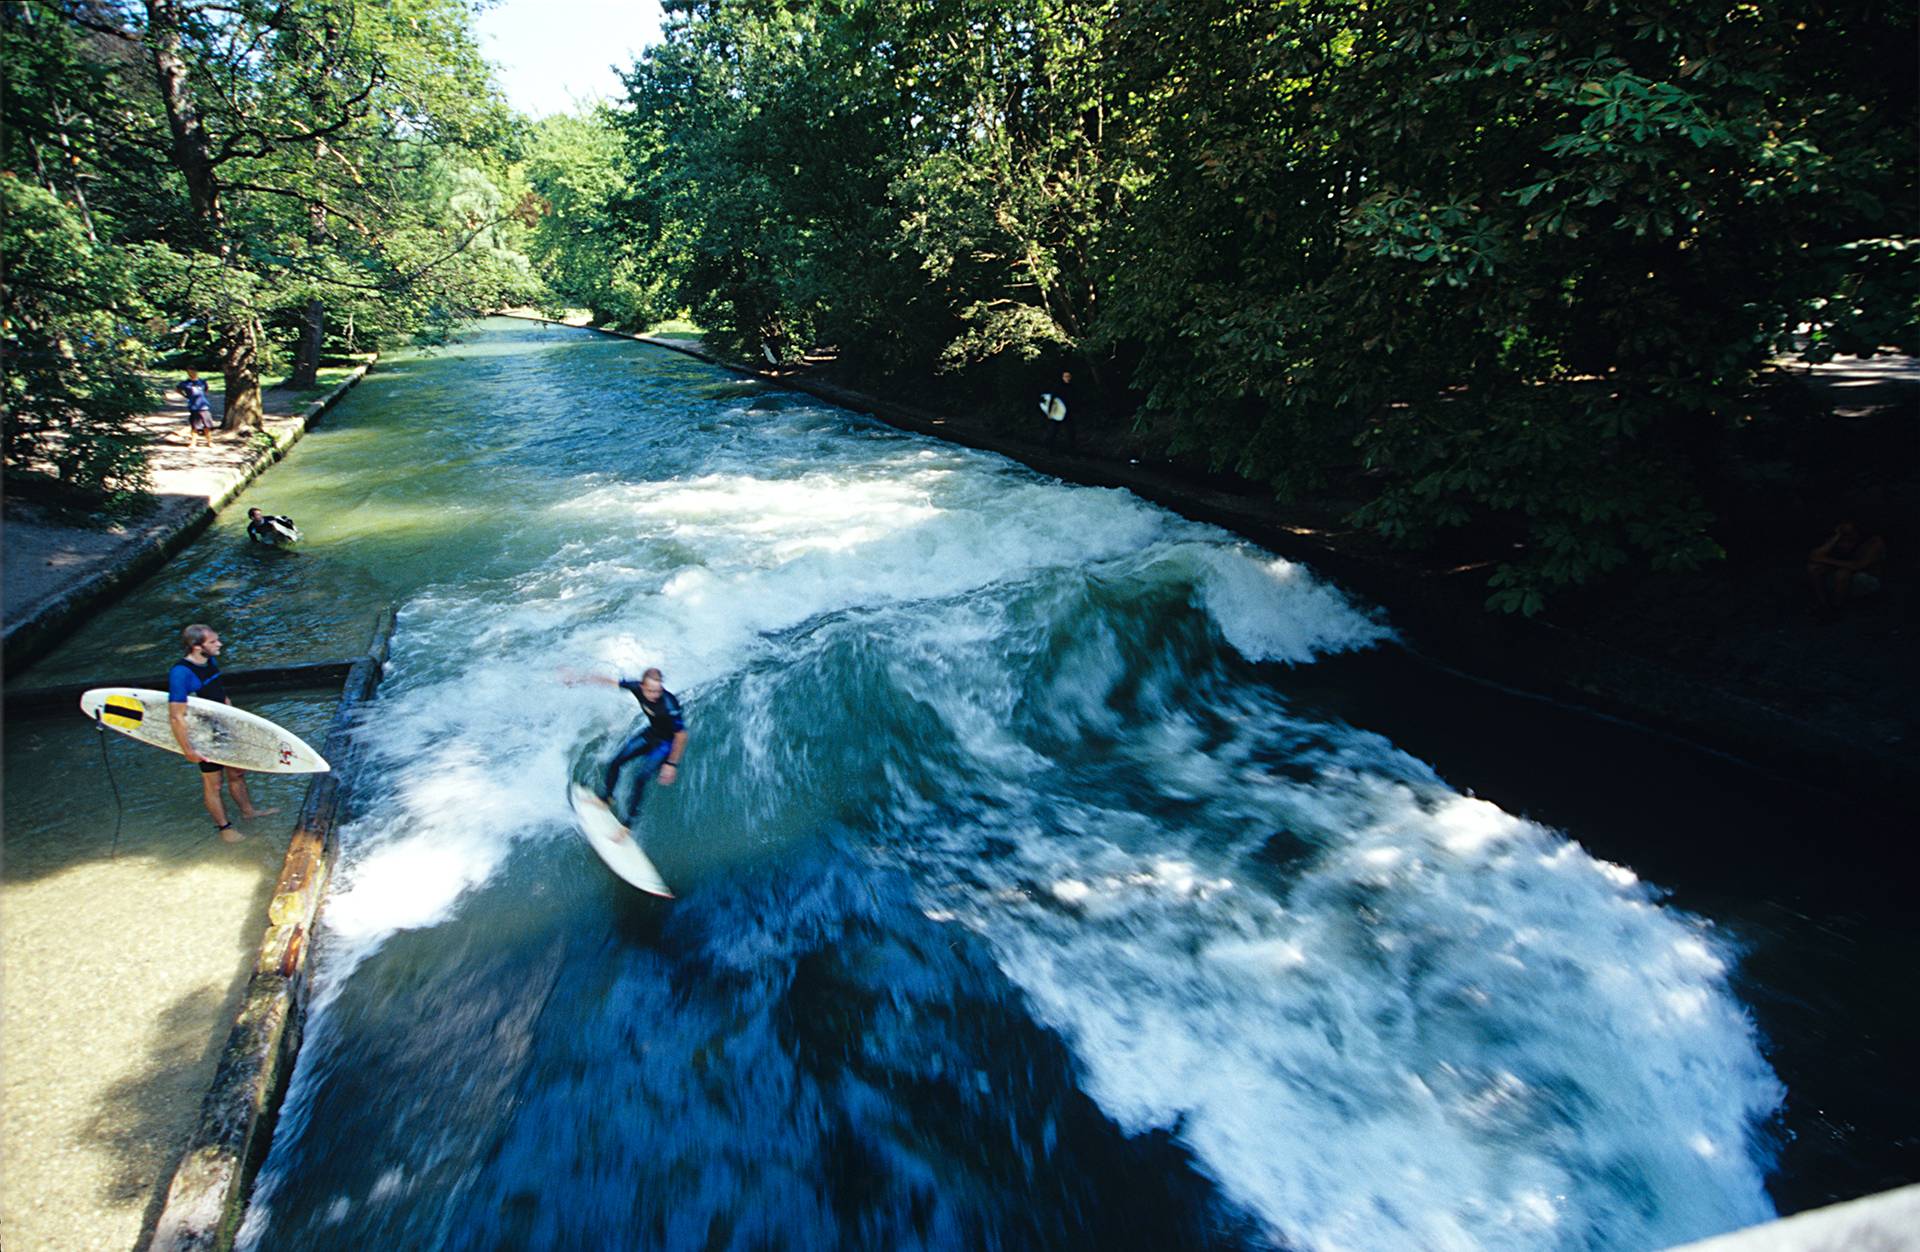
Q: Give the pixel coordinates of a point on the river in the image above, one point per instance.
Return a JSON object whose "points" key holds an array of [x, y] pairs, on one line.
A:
{"points": [[1053, 871]]}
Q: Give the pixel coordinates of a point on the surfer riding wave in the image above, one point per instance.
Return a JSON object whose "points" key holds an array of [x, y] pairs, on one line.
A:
{"points": [[657, 743]]}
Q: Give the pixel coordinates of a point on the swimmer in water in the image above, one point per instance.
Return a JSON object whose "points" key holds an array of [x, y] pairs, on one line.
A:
{"points": [[270, 530]]}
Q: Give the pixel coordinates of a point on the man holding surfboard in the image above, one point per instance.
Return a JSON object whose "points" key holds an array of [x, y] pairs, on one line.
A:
{"points": [[198, 674]]}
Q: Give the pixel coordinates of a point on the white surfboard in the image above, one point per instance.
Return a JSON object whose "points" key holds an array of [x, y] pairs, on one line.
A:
{"points": [[614, 842], [1053, 407], [219, 732]]}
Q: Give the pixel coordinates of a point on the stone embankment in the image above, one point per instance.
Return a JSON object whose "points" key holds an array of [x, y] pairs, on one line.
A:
{"points": [[56, 572]]}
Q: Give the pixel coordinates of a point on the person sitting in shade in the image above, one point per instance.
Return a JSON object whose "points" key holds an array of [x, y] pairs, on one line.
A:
{"points": [[1847, 566], [270, 530]]}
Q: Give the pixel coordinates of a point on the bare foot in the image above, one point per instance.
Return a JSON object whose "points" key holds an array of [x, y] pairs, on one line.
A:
{"points": [[229, 835], [266, 812]]}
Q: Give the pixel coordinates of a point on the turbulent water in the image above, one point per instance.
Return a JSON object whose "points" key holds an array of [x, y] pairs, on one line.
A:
{"points": [[1021, 904]]}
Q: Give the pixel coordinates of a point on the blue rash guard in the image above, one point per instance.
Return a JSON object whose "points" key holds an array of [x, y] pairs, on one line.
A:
{"points": [[195, 390], [652, 742], [204, 680]]}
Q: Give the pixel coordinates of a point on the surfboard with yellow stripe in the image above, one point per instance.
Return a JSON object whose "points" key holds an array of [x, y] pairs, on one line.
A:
{"points": [[218, 732]]}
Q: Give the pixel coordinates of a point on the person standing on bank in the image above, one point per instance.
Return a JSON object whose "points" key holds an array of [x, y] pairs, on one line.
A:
{"points": [[658, 743], [1057, 407], [198, 674], [199, 407]]}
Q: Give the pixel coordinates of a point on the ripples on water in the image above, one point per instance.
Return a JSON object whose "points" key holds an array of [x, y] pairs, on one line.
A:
{"points": [[1020, 906]]}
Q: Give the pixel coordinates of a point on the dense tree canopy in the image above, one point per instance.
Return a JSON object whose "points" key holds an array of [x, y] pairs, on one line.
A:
{"points": [[257, 165], [1508, 265], [1504, 267]]}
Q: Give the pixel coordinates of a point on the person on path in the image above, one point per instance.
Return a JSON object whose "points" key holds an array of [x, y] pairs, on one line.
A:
{"points": [[199, 407], [198, 674], [1057, 406], [658, 743]]}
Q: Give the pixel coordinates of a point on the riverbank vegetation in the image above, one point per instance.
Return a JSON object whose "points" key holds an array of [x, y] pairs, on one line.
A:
{"points": [[1505, 276], [235, 186], [1504, 269]]}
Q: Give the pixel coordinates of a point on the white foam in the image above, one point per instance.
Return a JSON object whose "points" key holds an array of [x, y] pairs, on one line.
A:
{"points": [[1439, 1026], [1453, 1031], [699, 575], [1270, 609]]}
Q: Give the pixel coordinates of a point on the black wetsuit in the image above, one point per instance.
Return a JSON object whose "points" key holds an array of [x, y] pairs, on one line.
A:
{"points": [[652, 742], [266, 529]]}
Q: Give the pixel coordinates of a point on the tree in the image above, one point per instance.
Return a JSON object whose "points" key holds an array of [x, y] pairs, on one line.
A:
{"points": [[298, 131], [1012, 195], [760, 143], [74, 309], [574, 165], [1515, 265], [70, 333]]}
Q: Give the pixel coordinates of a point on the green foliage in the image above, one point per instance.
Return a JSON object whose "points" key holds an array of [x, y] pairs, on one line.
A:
{"points": [[333, 163], [1491, 265], [70, 336], [1007, 204], [1501, 267], [1511, 264], [574, 166]]}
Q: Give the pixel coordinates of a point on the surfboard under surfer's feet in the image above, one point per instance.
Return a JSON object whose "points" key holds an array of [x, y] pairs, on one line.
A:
{"points": [[614, 842]]}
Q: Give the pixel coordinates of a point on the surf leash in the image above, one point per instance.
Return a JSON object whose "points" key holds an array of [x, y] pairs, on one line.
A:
{"points": [[119, 809]]}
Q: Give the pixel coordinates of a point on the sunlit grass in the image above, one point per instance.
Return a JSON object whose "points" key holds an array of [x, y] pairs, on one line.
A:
{"points": [[328, 377], [675, 328]]}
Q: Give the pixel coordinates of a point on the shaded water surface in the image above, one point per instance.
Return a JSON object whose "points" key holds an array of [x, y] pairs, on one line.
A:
{"points": [[1046, 877]]}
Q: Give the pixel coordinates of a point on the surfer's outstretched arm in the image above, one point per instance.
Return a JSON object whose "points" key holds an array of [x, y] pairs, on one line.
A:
{"points": [[573, 678]]}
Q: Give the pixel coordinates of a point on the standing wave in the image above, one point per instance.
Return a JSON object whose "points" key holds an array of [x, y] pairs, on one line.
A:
{"points": [[935, 695]]}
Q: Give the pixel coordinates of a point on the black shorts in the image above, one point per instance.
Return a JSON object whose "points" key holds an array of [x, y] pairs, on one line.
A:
{"points": [[210, 767]]}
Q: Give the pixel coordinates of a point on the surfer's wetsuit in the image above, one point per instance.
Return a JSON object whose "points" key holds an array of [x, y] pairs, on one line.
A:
{"points": [[652, 742], [204, 680], [270, 530]]}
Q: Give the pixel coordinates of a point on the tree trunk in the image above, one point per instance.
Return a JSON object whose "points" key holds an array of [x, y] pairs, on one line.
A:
{"points": [[306, 365], [191, 152], [240, 364]]}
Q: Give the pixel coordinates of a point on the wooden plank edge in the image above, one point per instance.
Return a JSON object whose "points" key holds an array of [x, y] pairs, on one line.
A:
{"points": [[207, 1196]]}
